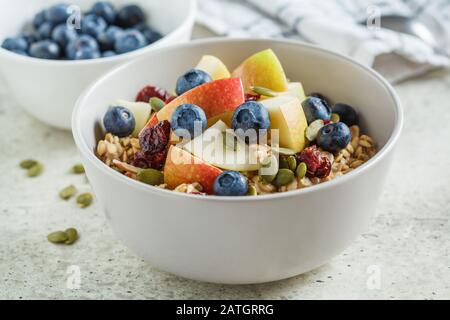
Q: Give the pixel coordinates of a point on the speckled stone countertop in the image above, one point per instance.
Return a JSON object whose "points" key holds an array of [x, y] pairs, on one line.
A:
{"points": [[405, 253]]}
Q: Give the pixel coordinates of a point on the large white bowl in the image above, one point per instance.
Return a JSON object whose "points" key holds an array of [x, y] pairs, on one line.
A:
{"points": [[48, 89], [246, 239]]}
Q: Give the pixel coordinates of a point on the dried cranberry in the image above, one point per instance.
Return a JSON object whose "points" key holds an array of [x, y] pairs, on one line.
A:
{"points": [[252, 97], [325, 122], [151, 91], [140, 160], [156, 138], [317, 164]]}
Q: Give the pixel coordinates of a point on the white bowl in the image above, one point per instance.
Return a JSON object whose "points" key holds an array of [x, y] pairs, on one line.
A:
{"points": [[48, 89], [246, 239]]}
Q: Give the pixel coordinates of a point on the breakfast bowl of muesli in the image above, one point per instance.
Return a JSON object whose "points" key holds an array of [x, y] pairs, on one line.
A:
{"points": [[238, 161]]}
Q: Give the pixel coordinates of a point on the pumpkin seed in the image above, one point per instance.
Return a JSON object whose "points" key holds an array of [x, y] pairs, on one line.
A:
{"points": [[151, 176], [252, 191], [313, 129], [301, 170], [284, 177], [264, 91], [284, 151], [57, 237], [283, 163], [27, 164], [68, 192], [84, 200], [335, 117], [292, 163], [157, 104], [72, 236], [78, 169], [35, 170], [269, 170]]}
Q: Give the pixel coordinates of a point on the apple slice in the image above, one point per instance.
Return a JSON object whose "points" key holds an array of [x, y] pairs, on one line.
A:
{"points": [[286, 115], [214, 67], [140, 110], [217, 98], [262, 69], [220, 147], [182, 167], [296, 89]]}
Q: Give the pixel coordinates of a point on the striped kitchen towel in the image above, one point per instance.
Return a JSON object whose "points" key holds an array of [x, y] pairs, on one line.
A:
{"points": [[350, 27]]}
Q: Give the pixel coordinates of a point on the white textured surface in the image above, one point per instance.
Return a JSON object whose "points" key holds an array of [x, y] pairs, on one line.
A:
{"points": [[408, 240]]}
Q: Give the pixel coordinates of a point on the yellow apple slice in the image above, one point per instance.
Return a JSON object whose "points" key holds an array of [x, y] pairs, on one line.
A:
{"points": [[296, 89], [286, 115], [220, 147], [214, 67], [263, 69]]}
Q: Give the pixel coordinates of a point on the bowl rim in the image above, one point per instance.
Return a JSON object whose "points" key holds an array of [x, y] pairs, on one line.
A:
{"points": [[89, 154], [185, 23]]}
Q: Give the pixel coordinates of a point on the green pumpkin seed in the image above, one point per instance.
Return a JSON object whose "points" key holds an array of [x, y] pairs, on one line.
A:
{"points": [[269, 170], [264, 91], [57, 237], [151, 176], [252, 191], [292, 163], [68, 192], [301, 170], [27, 164], [84, 200], [35, 170], [283, 163], [157, 104], [313, 129], [284, 177], [72, 236], [78, 169], [335, 117]]}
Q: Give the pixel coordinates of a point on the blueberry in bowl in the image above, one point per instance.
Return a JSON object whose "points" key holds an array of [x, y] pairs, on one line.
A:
{"points": [[63, 76]]}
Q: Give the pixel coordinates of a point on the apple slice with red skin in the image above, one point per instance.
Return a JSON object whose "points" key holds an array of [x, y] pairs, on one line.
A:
{"points": [[216, 98], [182, 167]]}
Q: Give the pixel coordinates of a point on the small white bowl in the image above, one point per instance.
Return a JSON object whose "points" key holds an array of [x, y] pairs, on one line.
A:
{"points": [[48, 89], [246, 239]]}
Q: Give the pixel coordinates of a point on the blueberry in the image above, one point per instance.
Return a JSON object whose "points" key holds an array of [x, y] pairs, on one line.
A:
{"points": [[191, 79], [108, 54], [346, 114], [29, 37], [150, 34], [84, 47], [129, 16], [189, 117], [45, 49], [15, 44], [105, 10], [93, 25], [230, 183], [334, 137], [58, 13], [129, 40], [62, 34], [21, 52], [107, 39], [45, 31], [316, 108], [251, 115], [119, 121], [39, 19], [321, 96]]}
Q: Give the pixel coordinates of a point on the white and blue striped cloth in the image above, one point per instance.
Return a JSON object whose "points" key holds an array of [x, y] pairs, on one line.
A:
{"points": [[339, 25]]}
